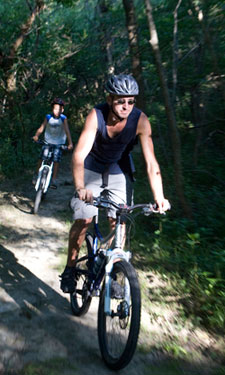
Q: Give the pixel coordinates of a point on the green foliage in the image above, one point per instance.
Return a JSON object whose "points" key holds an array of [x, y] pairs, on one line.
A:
{"points": [[194, 257], [54, 366], [168, 367], [63, 54], [8, 161]]}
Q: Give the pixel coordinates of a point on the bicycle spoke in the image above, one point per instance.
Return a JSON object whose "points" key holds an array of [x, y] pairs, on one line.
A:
{"points": [[81, 299], [118, 332]]}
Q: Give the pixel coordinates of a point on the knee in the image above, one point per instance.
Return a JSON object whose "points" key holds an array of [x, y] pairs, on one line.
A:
{"points": [[85, 222], [80, 224], [112, 222]]}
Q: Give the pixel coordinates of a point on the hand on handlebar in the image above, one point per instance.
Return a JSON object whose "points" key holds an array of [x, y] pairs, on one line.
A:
{"points": [[35, 138], [70, 146], [85, 195], [163, 205]]}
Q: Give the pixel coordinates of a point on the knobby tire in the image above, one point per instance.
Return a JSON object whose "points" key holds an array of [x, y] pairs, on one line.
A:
{"points": [[40, 195], [37, 200], [80, 300], [117, 346]]}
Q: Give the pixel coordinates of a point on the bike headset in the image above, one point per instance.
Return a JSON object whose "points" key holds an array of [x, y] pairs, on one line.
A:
{"points": [[58, 101], [122, 85]]}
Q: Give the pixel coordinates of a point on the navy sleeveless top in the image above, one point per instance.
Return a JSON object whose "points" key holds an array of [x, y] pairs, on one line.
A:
{"points": [[106, 153]]}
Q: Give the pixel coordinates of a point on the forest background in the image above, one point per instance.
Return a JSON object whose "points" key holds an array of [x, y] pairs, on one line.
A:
{"points": [[176, 51]]}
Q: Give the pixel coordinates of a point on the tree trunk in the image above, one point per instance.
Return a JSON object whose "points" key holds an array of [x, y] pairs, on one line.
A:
{"points": [[175, 52], [134, 49], [11, 77], [9, 66], [197, 94], [209, 43], [175, 139], [105, 37], [200, 96]]}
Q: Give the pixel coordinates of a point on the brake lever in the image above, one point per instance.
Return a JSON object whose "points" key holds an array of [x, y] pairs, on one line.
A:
{"points": [[152, 209]]}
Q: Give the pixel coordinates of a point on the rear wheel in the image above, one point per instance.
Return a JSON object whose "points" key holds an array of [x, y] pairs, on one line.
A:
{"points": [[118, 332], [81, 299]]}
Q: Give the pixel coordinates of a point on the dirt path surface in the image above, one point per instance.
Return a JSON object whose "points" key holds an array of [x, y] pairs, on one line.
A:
{"points": [[36, 324]]}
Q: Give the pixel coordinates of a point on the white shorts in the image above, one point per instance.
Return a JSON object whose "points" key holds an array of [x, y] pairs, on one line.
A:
{"points": [[93, 181]]}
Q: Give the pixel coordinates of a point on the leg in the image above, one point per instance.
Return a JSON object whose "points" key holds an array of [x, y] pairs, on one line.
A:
{"points": [[57, 157], [55, 170], [54, 183], [112, 223], [83, 214], [76, 238], [118, 188]]}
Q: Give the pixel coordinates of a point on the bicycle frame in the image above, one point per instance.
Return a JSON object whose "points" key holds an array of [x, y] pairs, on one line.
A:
{"points": [[108, 267], [47, 164], [117, 253], [112, 255], [43, 166], [45, 171]]}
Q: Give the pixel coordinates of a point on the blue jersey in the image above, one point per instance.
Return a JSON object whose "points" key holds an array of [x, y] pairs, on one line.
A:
{"points": [[107, 153], [54, 131]]}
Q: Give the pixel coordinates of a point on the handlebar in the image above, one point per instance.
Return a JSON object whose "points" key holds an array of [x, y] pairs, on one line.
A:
{"points": [[147, 208], [40, 142]]}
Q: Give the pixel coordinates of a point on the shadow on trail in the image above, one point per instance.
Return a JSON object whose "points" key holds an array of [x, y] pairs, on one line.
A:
{"points": [[56, 200], [37, 325], [19, 200], [36, 321], [20, 192], [28, 238]]}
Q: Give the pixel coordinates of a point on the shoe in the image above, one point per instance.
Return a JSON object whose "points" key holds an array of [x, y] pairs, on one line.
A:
{"points": [[68, 282], [53, 184], [117, 291], [34, 179]]}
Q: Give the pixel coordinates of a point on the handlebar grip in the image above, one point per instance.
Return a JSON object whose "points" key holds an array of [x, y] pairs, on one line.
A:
{"points": [[64, 147], [38, 142]]}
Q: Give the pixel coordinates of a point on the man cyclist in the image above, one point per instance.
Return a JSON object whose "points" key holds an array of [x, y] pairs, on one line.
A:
{"points": [[100, 157], [57, 131]]}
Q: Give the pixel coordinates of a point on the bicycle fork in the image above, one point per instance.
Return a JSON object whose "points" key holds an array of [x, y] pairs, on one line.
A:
{"points": [[48, 169], [112, 256]]}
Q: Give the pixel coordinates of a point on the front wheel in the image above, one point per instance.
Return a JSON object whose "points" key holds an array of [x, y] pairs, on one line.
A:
{"points": [[118, 332], [81, 299], [37, 200], [40, 194]]}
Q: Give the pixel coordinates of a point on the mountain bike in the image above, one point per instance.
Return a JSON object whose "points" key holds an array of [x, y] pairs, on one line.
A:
{"points": [[45, 173], [106, 271]]}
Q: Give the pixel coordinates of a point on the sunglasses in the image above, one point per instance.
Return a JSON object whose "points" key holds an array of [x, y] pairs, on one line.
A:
{"points": [[123, 101]]}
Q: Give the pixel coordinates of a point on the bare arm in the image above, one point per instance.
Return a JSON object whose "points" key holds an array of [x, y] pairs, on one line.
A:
{"points": [[67, 131], [153, 170], [82, 149], [40, 130]]}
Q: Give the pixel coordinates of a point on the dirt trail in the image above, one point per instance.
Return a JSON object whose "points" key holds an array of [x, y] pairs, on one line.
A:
{"points": [[36, 324]]}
